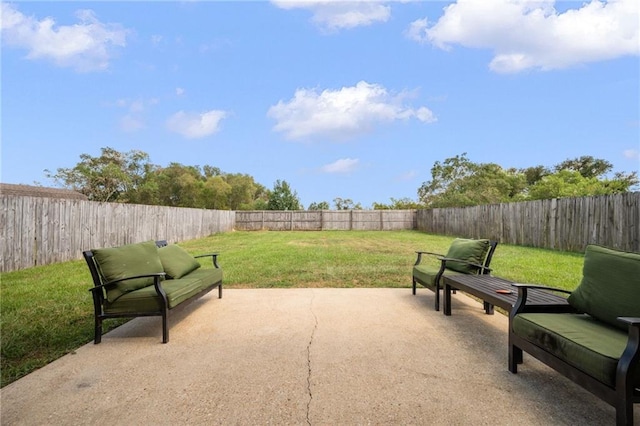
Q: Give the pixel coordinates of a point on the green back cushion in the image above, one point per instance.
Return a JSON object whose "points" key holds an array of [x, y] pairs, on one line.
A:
{"points": [[128, 261], [176, 261], [610, 285], [473, 251]]}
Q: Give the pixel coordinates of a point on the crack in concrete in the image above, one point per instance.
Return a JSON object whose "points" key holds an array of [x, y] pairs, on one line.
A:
{"points": [[313, 332]]}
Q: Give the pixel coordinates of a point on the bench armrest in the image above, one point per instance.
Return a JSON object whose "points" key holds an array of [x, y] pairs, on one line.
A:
{"points": [[420, 253], [521, 303], [158, 275], [214, 258]]}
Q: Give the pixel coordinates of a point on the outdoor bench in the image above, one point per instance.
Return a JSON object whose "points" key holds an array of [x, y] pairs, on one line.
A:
{"points": [[595, 340], [147, 279]]}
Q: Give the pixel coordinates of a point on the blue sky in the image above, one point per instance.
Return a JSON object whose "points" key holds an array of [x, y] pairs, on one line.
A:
{"points": [[341, 99]]}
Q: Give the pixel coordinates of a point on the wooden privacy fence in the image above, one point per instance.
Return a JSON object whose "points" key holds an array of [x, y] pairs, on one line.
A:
{"points": [[326, 220], [40, 231], [562, 224]]}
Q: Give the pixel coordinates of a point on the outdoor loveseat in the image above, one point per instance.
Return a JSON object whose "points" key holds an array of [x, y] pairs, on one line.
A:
{"points": [[595, 339], [465, 256], [147, 279]]}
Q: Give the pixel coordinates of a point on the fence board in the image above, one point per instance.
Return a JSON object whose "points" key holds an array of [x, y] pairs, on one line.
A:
{"points": [[40, 231], [561, 224]]}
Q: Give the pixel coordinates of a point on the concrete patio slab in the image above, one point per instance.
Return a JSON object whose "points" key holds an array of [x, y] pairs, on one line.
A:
{"points": [[304, 357]]}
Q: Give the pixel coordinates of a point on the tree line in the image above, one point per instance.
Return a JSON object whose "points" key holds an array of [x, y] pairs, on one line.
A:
{"points": [[130, 177]]}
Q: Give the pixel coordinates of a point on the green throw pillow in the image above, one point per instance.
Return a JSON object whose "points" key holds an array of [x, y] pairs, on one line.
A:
{"points": [[176, 261], [610, 285], [473, 251], [128, 261]]}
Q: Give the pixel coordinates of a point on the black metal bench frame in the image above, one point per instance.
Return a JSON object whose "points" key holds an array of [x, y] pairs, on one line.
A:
{"points": [[99, 295]]}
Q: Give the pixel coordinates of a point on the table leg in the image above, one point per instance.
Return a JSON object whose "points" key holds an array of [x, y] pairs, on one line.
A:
{"points": [[447, 300]]}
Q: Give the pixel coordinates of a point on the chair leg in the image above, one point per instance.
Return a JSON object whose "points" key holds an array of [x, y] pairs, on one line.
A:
{"points": [[437, 305], [414, 286], [220, 291], [97, 334], [165, 327]]}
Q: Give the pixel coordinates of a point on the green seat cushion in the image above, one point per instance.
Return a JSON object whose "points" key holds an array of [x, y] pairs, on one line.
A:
{"points": [[176, 261], [426, 274], [147, 300], [128, 261], [579, 339], [474, 251], [610, 285]]}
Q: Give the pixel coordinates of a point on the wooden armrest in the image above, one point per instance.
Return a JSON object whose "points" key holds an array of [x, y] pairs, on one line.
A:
{"points": [[214, 257]]}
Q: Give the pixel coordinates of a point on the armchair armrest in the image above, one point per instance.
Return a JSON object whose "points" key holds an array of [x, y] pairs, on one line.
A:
{"points": [[477, 265], [214, 258], [632, 321], [521, 303], [420, 253]]}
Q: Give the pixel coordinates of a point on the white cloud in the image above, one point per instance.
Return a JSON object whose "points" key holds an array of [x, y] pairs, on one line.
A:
{"points": [[196, 125], [85, 46], [179, 91], [407, 176], [633, 154], [335, 15], [131, 123], [344, 165], [341, 114], [532, 34]]}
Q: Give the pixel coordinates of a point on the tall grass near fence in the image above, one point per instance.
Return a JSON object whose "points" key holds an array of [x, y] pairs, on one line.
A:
{"points": [[47, 311]]}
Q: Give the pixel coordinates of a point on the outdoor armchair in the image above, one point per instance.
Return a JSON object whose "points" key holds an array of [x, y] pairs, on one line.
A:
{"points": [[465, 256]]}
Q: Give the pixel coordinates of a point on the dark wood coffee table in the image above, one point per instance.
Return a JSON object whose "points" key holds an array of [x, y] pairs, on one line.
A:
{"points": [[494, 291]]}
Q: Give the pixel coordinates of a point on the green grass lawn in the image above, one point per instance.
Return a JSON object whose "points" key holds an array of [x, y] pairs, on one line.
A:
{"points": [[47, 311]]}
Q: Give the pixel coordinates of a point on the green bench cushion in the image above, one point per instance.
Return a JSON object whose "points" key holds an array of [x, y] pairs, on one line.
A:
{"points": [[146, 299], [610, 285], [426, 274], [581, 340], [176, 261], [474, 251], [130, 260]]}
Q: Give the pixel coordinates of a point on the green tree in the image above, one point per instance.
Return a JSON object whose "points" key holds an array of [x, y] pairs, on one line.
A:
{"points": [[244, 191], [113, 176], [346, 204], [587, 166], [216, 193], [322, 205], [566, 183], [180, 186], [458, 182], [282, 197], [398, 204]]}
